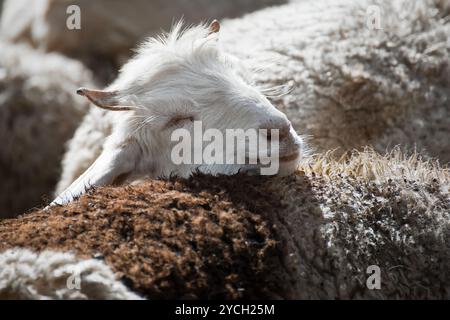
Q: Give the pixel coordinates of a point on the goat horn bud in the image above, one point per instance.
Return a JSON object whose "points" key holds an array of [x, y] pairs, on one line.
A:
{"points": [[214, 27]]}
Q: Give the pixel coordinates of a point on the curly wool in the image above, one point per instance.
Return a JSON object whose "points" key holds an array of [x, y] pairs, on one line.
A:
{"points": [[39, 112], [347, 85], [163, 240], [50, 275], [310, 235], [343, 216]]}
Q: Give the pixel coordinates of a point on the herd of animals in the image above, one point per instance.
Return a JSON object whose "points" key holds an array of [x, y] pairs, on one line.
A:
{"points": [[365, 116]]}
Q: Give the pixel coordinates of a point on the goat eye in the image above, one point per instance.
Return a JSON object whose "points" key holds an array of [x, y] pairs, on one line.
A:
{"points": [[178, 121]]}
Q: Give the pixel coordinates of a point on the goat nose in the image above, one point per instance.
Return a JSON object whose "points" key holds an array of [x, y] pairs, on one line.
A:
{"points": [[282, 125]]}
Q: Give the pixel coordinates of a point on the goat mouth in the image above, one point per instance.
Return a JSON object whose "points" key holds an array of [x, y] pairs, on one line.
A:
{"points": [[288, 157]]}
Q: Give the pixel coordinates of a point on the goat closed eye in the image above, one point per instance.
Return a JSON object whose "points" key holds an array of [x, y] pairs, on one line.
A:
{"points": [[179, 121]]}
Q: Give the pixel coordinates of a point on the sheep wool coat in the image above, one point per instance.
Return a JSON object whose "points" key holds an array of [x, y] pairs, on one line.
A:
{"points": [[351, 73]]}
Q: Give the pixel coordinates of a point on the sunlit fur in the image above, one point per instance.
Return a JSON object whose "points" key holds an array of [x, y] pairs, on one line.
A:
{"points": [[181, 75]]}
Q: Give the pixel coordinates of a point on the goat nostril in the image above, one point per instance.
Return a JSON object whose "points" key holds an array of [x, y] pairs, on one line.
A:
{"points": [[282, 132]]}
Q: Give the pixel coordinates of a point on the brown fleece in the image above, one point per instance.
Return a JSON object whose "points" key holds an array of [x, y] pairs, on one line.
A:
{"points": [[166, 239], [311, 235]]}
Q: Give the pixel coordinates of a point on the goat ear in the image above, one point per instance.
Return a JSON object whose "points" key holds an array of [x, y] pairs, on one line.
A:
{"points": [[113, 166], [214, 27], [104, 99]]}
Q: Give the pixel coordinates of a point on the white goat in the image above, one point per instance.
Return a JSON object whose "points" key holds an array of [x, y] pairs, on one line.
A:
{"points": [[350, 85], [173, 81]]}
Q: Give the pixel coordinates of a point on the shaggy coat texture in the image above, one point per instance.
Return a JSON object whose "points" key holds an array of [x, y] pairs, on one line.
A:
{"points": [[163, 239], [309, 235], [347, 83], [38, 114], [56, 275]]}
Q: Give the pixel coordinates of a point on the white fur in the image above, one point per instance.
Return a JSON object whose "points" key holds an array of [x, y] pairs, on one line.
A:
{"points": [[183, 74], [45, 275]]}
